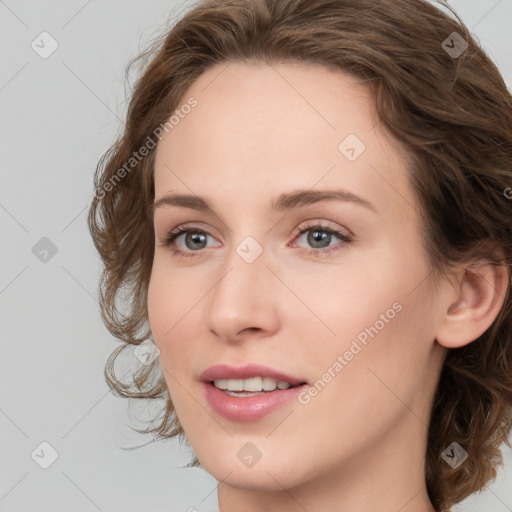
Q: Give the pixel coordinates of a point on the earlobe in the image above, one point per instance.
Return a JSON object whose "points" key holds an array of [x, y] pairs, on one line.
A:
{"points": [[481, 294]]}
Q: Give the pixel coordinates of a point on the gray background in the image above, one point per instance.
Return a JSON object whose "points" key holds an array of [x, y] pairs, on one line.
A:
{"points": [[58, 115]]}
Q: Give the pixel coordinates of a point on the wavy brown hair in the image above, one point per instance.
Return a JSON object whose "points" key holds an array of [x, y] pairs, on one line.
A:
{"points": [[451, 114]]}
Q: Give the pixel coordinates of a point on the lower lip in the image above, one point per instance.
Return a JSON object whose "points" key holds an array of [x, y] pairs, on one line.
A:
{"points": [[248, 408]]}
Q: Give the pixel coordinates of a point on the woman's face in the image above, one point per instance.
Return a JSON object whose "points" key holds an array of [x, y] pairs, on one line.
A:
{"points": [[350, 315]]}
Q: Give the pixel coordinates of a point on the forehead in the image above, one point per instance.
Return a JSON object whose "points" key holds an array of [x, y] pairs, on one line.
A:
{"points": [[258, 129]]}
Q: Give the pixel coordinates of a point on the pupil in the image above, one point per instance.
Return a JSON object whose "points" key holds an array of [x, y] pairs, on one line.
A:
{"points": [[194, 237], [318, 236]]}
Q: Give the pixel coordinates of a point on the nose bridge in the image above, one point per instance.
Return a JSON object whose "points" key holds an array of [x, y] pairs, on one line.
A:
{"points": [[242, 297]]}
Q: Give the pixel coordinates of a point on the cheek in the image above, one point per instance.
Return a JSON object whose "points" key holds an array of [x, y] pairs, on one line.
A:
{"points": [[167, 304], [159, 306], [376, 385], [367, 298], [386, 361], [174, 305], [381, 316]]}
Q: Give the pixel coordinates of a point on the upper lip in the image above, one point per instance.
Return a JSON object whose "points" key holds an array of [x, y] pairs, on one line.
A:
{"points": [[225, 371]]}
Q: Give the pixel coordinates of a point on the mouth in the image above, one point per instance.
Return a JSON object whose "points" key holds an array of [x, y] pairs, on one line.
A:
{"points": [[250, 392]]}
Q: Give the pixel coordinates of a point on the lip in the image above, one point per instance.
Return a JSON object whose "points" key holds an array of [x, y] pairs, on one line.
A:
{"points": [[225, 371], [250, 408]]}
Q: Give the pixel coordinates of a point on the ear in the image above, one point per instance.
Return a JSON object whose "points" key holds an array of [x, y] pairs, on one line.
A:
{"points": [[479, 296]]}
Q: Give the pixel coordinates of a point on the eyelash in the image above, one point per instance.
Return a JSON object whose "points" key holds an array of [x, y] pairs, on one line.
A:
{"points": [[173, 235]]}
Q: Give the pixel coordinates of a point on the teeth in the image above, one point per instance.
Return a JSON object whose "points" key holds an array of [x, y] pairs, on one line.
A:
{"points": [[269, 384], [254, 384]]}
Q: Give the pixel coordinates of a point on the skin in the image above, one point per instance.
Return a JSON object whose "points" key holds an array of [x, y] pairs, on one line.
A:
{"points": [[259, 131]]}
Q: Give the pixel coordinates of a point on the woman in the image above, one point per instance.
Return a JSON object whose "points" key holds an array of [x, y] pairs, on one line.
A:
{"points": [[308, 208]]}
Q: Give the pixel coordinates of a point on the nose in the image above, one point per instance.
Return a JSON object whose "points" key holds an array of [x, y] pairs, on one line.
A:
{"points": [[244, 300]]}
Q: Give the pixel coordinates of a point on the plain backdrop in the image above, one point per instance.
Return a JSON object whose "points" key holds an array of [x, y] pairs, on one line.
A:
{"points": [[59, 113]]}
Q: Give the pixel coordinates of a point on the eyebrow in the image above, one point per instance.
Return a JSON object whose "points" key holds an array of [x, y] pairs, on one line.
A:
{"points": [[284, 202]]}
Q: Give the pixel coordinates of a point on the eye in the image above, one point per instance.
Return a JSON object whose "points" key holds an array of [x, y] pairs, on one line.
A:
{"points": [[193, 236], [319, 237]]}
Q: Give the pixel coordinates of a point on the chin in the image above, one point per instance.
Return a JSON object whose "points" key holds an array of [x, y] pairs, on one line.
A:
{"points": [[270, 475]]}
